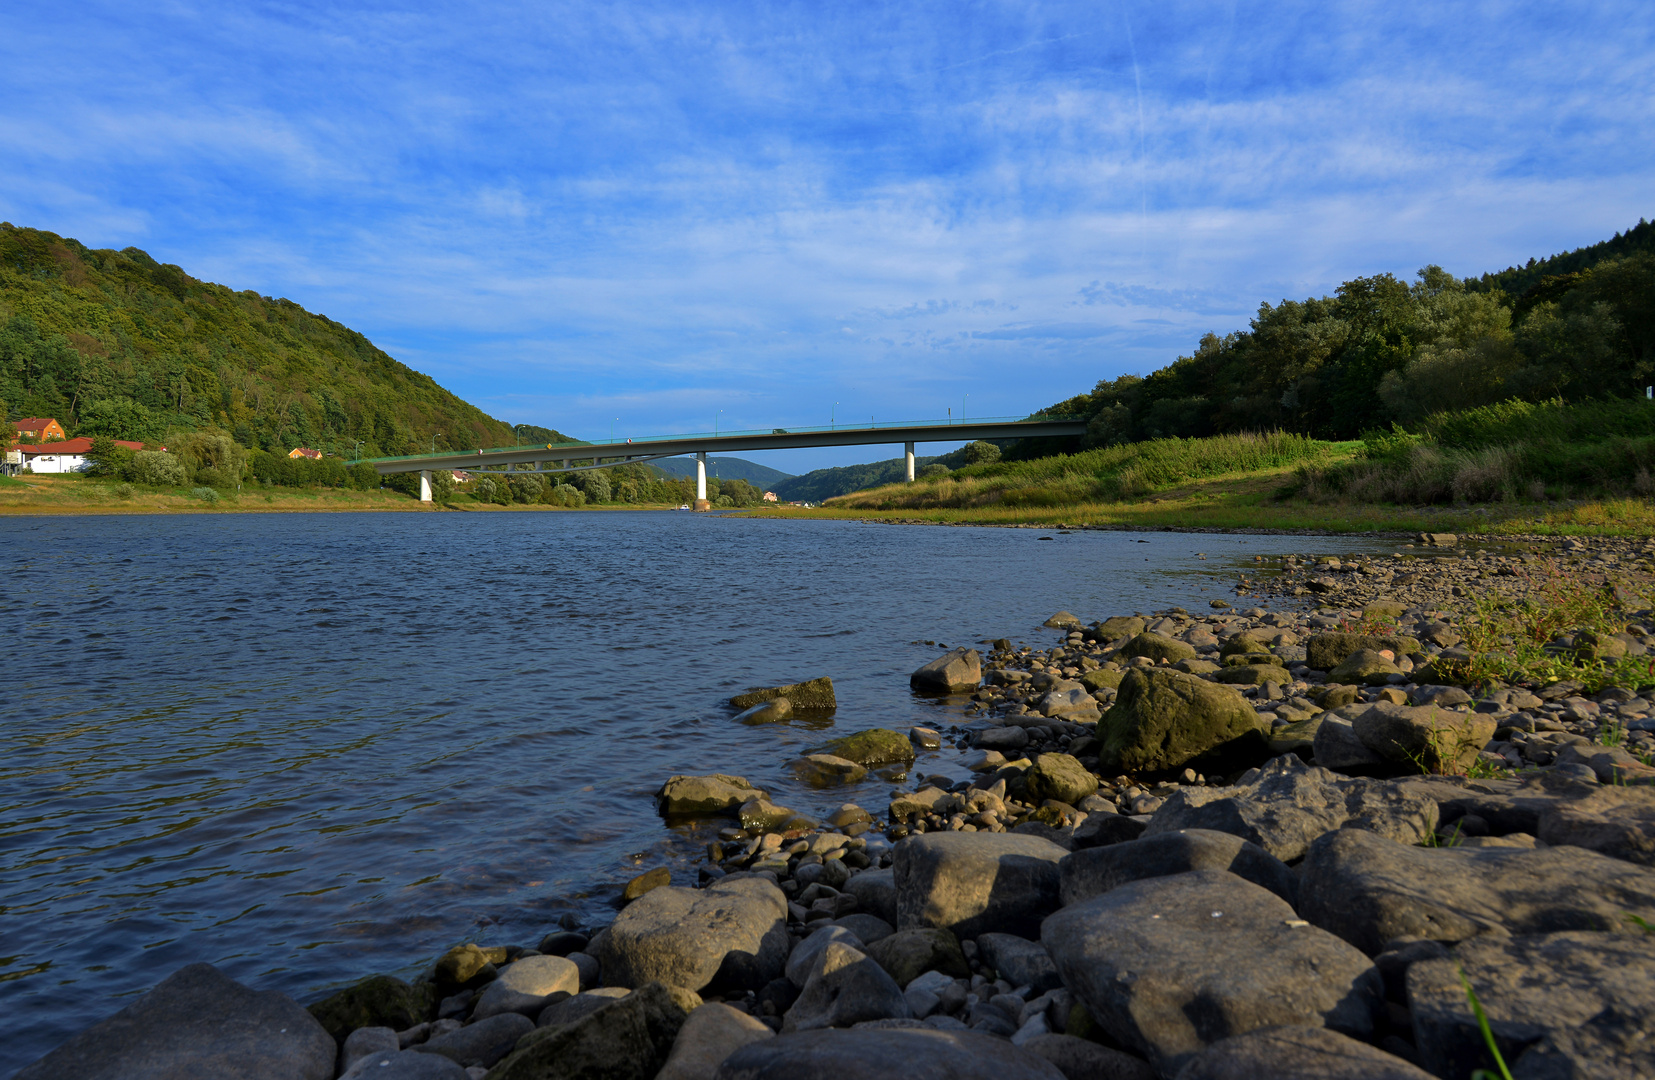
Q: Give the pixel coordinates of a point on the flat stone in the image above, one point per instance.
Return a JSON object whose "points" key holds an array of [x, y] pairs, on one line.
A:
{"points": [[869, 928], [567, 1011], [196, 1021], [731, 934], [1336, 746], [1073, 703], [1079, 1059], [845, 987], [704, 795], [1431, 739], [885, 1054], [951, 673], [1063, 620], [483, 1042], [712, 1033], [1370, 890], [908, 954], [815, 694], [876, 746], [1614, 821], [1290, 804], [1297, 1052], [1170, 965], [828, 770], [1156, 647], [1162, 720], [1560, 1005], [1364, 667], [1094, 871], [649, 879], [628, 1040], [1001, 738], [524, 986], [925, 738], [974, 883]]}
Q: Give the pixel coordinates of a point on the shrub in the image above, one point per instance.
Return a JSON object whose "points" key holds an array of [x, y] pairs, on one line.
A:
{"points": [[124, 491], [205, 494], [980, 453], [525, 488], [564, 495], [156, 468], [932, 471], [364, 477], [213, 478]]}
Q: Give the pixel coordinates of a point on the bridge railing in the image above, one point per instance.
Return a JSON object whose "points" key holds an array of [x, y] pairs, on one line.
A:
{"points": [[645, 440]]}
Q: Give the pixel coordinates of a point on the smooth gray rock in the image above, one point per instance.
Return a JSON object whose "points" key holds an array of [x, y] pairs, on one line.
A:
{"points": [[1001, 738], [712, 1033], [870, 928], [1019, 961], [1170, 965], [804, 955], [1336, 746], [588, 967], [844, 988], [1614, 821], [524, 986], [1078, 1059], [407, 1065], [1296, 1052], [973, 883], [1290, 804], [481, 1043], [907, 954], [197, 1021], [1370, 890], [569, 1010], [875, 1054], [1432, 739], [950, 673], [704, 795], [732, 934], [1572, 1004], [369, 1040], [1094, 871], [875, 892]]}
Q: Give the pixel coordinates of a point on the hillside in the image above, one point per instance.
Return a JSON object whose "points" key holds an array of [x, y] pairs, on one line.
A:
{"points": [[730, 468], [114, 343]]}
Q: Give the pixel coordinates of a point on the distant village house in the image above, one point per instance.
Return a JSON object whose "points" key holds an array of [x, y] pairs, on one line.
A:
{"points": [[769, 496], [300, 451], [64, 456], [39, 430]]}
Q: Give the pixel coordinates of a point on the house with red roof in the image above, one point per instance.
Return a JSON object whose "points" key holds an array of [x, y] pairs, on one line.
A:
{"points": [[39, 429], [64, 456], [305, 452]]}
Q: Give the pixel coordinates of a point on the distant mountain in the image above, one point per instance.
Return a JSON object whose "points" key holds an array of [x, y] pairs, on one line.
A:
{"points": [[115, 343], [727, 468]]}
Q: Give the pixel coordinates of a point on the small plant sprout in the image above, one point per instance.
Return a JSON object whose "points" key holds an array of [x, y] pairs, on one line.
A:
{"points": [[1488, 1032]]}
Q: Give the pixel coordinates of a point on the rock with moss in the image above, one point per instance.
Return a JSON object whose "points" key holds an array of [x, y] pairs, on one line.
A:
{"points": [[1244, 645], [1121, 626], [773, 711], [1060, 777], [628, 1040], [1334, 695], [1063, 620], [1426, 737], [1364, 666], [1252, 675], [1324, 652], [763, 815], [1163, 719], [377, 1001], [466, 967], [815, 694], [1157, 647], [698, 796], [827, 770], [1103, 678], [876, 746]]}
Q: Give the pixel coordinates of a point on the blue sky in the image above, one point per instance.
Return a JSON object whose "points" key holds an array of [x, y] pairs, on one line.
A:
{"points": [[570, 213]]}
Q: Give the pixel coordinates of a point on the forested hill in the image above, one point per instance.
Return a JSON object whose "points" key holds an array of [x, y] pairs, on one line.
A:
{"points": [[1575, 326], [114, 343]]}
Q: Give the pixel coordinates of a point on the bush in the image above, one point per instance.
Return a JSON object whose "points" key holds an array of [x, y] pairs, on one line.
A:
{"points": [[124, 491], [364, 477], [525, 488], [213, 478], [205, 494], [107, 459], [564, 495], [594, 484], [931, 471], [980, 453], [156, 468]]}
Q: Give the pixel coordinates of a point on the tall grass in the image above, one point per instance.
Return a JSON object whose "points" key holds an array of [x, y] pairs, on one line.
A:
{"points": [[1107, 474]]}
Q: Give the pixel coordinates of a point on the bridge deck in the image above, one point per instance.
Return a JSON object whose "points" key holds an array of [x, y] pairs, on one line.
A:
{"points": [[730, 442]]}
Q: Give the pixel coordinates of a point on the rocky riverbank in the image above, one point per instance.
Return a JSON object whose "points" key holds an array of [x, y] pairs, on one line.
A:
{"points": [[1230, 843]]}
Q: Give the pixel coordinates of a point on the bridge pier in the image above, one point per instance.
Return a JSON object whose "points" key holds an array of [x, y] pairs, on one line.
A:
{"points": [[908, 455], [701, 502], [425, 485]]}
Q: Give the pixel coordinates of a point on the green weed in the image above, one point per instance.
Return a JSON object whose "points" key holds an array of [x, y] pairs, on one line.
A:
{"points": [[1488, 1032]]}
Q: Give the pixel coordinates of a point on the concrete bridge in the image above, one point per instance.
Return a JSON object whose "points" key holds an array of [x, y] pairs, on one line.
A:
{"points": [[569, 456]]}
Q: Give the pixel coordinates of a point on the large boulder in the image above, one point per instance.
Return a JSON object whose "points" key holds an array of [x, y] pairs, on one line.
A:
{"points": [[1559, 1005], [815, 694], [876, 746], [524, 986], [377, 1001], [1428, 738], [1156, 647], [1060, 777], [1335, 746], [1296, 1052], [1364, 667], [1370, 890], [712, 1033], [845, 987], [803, 957], [951, 673], [1094, 871], [973, 883], [1120, 626], [404, 1065], [1162, 720], [1081, 1059], [1168, 966], [907, 954], [1103, 678], [703, 795], [627, 1040], [1325, 652], [731, 934], [1289, 804], [885, 1054], [1616, 821], [1070, 701], [197, 1022]]}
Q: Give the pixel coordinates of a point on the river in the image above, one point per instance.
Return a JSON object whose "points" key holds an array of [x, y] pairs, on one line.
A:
{"points": [[309, 747]]}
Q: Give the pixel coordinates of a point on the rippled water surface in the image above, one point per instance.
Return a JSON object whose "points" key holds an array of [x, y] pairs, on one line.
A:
{"points": [[311, 747]]}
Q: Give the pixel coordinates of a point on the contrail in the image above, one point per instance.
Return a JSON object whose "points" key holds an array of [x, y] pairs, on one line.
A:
{"points": [[1008, 52]]}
